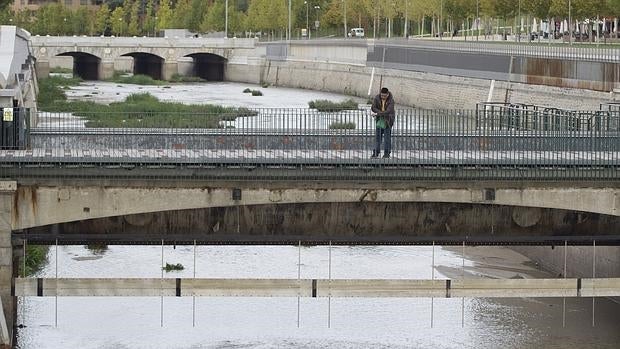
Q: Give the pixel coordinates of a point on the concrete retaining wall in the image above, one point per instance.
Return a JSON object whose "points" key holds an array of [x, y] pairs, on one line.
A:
{"points": [[424, 90], [580, 259]]}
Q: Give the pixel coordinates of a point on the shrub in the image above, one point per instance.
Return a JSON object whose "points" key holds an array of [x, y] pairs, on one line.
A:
{"points": [[256, 93], [183, 78], [247, 90], [138, 80], [171, 267], [329, 106], [36, 257]]}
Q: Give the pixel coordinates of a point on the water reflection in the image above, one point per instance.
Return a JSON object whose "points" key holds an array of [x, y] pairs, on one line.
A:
{"points": [[272, 322]]}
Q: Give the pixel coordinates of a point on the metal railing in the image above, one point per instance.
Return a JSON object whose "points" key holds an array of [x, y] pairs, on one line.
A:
{"points": [[495, 141], [559, 50]]}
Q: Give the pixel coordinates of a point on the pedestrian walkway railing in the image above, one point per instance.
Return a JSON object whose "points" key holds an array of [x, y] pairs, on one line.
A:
{"points": [[544, 142]]}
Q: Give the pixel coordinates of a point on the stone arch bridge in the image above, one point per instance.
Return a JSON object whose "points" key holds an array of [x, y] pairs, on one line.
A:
{"points": [[94, 58]]}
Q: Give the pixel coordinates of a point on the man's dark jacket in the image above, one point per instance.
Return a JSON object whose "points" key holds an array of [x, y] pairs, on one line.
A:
{"points": [[389, 114]]}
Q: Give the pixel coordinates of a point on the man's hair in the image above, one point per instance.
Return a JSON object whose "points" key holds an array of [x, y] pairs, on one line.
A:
{"points": [[385, 90]]}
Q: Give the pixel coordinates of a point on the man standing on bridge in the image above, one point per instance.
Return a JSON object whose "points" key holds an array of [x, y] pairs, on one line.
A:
{"points": [[383, 109]]}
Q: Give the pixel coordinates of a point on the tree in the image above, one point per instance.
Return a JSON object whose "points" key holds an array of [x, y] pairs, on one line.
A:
{"points": [[537, 8], [134, 18], [164, 15], [117, 20], [214, 21], [148, 24], [181, 15], [102, 19]]}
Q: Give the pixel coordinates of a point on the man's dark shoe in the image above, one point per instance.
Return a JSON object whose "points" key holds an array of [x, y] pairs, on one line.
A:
{"points": [[386, 156], [374, 156]]}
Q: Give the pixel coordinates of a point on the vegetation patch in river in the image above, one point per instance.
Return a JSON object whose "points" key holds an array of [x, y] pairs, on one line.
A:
{"points": [[324, 105], [137, 79], [36, 258], [173, 267], [140, 110]]}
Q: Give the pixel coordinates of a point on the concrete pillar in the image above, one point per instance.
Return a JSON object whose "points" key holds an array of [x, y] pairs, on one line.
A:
{"points": [[7, 191], [43, 69], [169, 69], [106, 70]]}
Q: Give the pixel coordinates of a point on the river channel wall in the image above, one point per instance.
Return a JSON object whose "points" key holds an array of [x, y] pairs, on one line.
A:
{"points": [[422, 89]]}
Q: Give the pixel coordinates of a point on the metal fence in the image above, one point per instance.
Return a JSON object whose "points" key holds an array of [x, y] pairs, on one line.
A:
{"points": [[494, 141], [558, 50]]}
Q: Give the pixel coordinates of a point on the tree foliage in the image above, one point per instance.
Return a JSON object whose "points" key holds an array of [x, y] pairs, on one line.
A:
{"points": [[144, 17]]}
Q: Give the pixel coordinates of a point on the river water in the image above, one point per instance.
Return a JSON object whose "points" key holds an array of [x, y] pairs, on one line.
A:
{"points": [[218, 322]]}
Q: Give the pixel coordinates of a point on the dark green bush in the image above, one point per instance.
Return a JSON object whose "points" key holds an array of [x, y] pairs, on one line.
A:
{"points": [[329, 106]]}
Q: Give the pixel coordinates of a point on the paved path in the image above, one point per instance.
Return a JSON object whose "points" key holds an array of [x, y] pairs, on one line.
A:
{"points": [[293, 157]]}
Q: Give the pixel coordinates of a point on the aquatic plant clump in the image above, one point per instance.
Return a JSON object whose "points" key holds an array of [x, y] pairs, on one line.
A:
{"points": [[173, 267], [323, 105]]}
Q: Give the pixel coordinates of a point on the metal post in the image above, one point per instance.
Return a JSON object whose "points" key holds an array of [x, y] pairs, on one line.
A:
{"points": [[440, 21], [344, 2], [406, 19], [570, 32], [24, 275], [564, 298], [298, 279], [329, 297], [307, 23], [477, 19], [463, 298], [432, 278], [56, 298], [226, 20], [194, 292], [519, 22], [593, 276], [161, 288]]}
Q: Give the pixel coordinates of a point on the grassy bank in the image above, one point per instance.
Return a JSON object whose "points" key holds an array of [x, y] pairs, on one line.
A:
{"points": [[140, 110]]}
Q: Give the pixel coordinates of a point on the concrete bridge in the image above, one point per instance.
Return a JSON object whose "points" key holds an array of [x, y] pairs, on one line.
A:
{"points": [[94, 58]]}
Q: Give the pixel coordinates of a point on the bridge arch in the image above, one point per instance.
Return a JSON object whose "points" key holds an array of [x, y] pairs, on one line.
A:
{"points": [[282, 214], [85, 65], [208, 66], [147, 64]]}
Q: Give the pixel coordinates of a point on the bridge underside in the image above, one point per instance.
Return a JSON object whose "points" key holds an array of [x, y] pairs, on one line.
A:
{"points": [[147, 64], [208, 66], [341, 223], [85, 65]]}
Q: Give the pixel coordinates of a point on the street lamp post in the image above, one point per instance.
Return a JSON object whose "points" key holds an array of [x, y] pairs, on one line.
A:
{"points": [[316, 24], [570, 24], [477, 19], [307, 27], [226, 19], [440, 21], [519, 22], [288, 34], [406, 19], [344, 3]]}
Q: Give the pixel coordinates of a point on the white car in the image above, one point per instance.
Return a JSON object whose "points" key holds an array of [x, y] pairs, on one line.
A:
{"points": [[356, 33]]}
